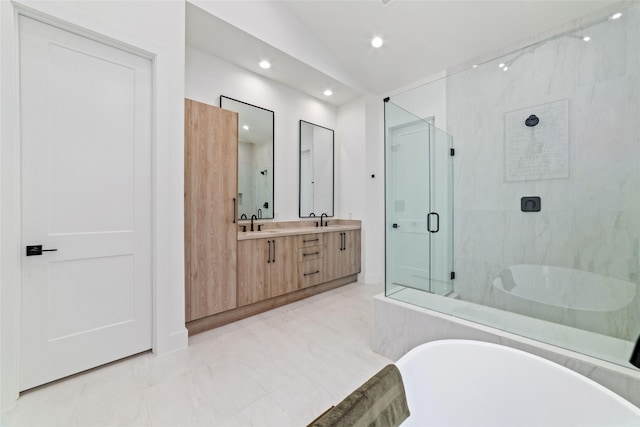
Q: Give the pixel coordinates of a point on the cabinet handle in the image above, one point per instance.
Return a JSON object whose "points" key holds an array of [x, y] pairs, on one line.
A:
{"points": [[309, 274], [269, 257], [343, 241], [311, 240], [311, 253], [273, 260], [234, 210]]}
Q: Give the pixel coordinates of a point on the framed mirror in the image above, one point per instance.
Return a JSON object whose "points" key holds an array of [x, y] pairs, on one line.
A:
{"points": [[255, 158], [316, 170]]}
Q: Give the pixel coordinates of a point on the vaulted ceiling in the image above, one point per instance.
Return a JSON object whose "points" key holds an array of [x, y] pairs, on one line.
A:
{"points": [[314, 45]]}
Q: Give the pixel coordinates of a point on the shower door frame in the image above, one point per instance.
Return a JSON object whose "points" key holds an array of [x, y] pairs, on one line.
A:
{"points": [[430, 212]]}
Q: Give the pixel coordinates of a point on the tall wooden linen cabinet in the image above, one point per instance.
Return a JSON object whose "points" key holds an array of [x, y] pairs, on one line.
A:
{"points": [[211, 186]]}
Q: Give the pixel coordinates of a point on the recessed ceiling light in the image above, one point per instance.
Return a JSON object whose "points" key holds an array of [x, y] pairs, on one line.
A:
{"points": [[328, 92], [474, 66], [376, 42], [505, 68], [245, 127], [500, 65], [615, 15], [586, 38], [265, 64]]}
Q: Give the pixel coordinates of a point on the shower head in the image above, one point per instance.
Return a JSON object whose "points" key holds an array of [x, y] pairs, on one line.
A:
{"points": [[264, 172]]}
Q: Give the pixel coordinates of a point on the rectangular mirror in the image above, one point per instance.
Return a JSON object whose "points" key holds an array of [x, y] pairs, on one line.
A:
{"points": [[255, 158], [316, 170]]}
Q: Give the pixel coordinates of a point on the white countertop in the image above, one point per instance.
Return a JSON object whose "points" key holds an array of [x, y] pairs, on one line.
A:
{"points": [[290, 231]]}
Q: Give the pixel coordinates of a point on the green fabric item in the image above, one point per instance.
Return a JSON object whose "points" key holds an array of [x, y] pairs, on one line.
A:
{"points": [[380, 402]]}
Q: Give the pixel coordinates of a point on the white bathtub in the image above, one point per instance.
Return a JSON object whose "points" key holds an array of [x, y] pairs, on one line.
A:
{"points": [[567, 296], [473, 383]]}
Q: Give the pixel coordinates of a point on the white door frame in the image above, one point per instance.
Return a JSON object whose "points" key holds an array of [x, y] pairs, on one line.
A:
{"points": [[167, 334]]}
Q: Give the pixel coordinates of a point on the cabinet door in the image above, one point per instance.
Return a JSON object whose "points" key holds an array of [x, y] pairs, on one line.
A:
{"points": [[333, 255], [211, 159], [351, 253], [253, 271], [284, 265], [342, 254]]}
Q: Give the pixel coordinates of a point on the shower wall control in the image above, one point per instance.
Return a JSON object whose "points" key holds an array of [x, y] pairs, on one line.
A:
{"points": [[530, 204]]}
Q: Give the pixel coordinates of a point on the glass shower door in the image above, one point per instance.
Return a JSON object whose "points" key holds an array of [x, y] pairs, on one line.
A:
{"points": [[418, 225], [441, 205]]}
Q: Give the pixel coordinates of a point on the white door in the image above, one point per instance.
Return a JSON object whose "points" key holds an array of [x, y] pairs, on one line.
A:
{"points": [[86, 116]]}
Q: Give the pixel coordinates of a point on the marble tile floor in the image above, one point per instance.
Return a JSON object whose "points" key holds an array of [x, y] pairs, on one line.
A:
{"points": [[279, 368]]}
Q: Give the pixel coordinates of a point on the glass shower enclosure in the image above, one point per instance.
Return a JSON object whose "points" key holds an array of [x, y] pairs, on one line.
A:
{"points": [[419, 204]]}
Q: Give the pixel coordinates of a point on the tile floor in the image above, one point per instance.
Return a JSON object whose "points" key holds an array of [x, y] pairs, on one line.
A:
{"points": [[280, 368]]}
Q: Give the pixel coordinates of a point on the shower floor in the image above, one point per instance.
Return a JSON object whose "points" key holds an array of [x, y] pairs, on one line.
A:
{"points": [[603, 347]]}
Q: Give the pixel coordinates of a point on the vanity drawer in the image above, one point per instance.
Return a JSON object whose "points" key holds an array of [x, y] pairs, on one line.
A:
{"points": [[307, 240], [310, 273], [310, 253]]}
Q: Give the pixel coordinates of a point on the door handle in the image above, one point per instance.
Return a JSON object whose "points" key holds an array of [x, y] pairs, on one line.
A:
{"points": [[37, 250], [234, 211], [429, 222]]}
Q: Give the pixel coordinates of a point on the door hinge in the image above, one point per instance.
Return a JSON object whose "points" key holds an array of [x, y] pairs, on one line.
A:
{"points": [[453, 152], [453, 275]]}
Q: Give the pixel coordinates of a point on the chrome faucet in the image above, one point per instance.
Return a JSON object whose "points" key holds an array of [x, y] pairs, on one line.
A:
{"points": [[252, 218], [321, 216]]}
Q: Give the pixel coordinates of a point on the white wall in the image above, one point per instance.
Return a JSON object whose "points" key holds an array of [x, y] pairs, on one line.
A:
{"points": [[374, 188], [359, 155], [351, 170], [429, 100], [162, 37], [207, 77]]}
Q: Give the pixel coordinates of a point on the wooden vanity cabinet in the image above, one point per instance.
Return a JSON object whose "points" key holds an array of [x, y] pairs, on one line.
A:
{"points": [[254, 275], [283, 266], [266, 268], [277, 268], [211, 185], [311, 268], [342, 255]]}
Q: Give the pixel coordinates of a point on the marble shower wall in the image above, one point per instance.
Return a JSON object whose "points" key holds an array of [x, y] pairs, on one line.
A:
{"points": [[590, 220]]}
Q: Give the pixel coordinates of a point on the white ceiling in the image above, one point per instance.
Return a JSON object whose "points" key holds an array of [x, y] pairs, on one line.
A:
{"points": [[315, 45]]}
